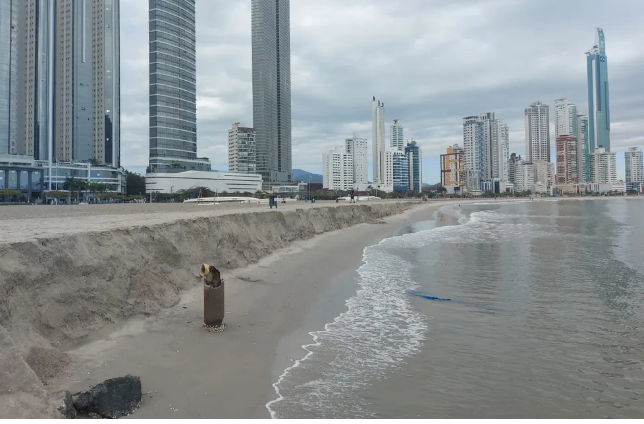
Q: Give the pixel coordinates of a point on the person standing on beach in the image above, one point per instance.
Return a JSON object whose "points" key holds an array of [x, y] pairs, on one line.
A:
{"points": [[353, 199]]}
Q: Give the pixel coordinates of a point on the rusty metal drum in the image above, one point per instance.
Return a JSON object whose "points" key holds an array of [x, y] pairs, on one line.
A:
{"points": [[213, 305]]}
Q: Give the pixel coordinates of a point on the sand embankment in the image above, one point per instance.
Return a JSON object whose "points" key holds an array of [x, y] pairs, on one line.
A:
{"points": [[55, 292]]}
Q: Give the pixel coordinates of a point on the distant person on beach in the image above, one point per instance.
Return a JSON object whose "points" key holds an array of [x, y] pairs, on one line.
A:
{"points": [[353, 198]]}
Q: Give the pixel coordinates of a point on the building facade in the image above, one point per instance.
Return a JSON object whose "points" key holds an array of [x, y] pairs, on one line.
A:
{"points": [[271, 58], [337, 170], [453, 167], [400, 171], [378, 141], [603, 166], [565, 118], [598, 101], [537, 132], [496, 147], [524, 177], [8, 76], [584, 147], [473, 143], [219, 182], [415, 158], [634, 161], [173, 87], [544, 173], [397, 137], [512, 166], [241, 149], [568, 171], [358, 148], [69, 81]]}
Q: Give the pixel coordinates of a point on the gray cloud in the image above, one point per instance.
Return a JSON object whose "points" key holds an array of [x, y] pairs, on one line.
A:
{"points": [[431, 62]]}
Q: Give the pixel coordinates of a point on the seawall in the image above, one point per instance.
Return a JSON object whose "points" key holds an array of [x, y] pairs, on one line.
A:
{"points": [[54, 292]]}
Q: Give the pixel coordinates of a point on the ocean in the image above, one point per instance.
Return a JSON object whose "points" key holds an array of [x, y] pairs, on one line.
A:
{"points": [[489, 310]]}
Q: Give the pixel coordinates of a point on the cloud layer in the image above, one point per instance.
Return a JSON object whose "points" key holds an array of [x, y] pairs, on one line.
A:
{"points": [[431, 62]]}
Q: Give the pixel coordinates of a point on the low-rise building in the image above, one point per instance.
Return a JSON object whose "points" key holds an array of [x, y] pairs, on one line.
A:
{"points": [[219, 182]]}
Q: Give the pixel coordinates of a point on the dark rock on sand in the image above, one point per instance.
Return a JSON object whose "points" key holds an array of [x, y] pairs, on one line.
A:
{"points": [[112, 398], [66, 405]]}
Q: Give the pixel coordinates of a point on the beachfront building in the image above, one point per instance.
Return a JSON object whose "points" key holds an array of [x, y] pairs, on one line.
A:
{"points": [[397, 138], [496, 147], [8, 76], [271, 61], [22, 174], [241, 149], [512, 166], [598, 101], [173, 88], [584, 149], [568, 160], [219, 182], [337, 170], [400, 171], [544, 173], [537, 132], [358, 148], [453, 167], [69, 81], [634, 165], [473, 143], [378, 143], [524, 177], [415, 158], [603, 166]]}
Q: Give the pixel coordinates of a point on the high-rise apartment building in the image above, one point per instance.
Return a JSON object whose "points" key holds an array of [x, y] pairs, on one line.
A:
{"points": [[400, 170], [337, 170], [241, 149], [453, 167], [537, 132], [565, 118], [378, 141], [568, 171], [69, 80], [271, 51], [173, 87], [495, 149], [512, 166], [358, 148], [8, 76], [544, 173], [634, 161], [583, 147], [415, 158], [603, 166], [524, 177], [473, 143], [598, 102], [397, 138]]}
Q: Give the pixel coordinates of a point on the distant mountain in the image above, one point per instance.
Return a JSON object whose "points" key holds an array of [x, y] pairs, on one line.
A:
{"points": [[303, 176]]}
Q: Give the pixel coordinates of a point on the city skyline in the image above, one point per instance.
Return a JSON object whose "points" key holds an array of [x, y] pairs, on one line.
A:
{"points": [[223, 91]]}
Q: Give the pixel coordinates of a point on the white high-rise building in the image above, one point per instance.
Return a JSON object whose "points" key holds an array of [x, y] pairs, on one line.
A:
{"points": [[473, 144], [603, 166], [566, 121], [8, 75], [583, 147], [358, 148], [537, 132], [544, 173], [387, 182], [524, 178], [397, 139], [337, 170], [634, 159], [241, 149], [378, 141]]}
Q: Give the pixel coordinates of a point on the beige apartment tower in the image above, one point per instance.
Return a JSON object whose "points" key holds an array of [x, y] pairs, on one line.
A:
{"points": [[69, 80]]}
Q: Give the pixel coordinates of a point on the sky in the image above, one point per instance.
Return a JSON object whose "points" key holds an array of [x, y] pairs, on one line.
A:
{"points": [[431, 62]]}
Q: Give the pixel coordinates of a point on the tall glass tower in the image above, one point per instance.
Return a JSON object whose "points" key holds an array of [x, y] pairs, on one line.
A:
{"points": [[8, 75], [173, 87], [598, 104], [271, 39]]}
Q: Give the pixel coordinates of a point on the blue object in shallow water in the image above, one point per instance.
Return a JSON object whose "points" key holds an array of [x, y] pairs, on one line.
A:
{"points": [[424, 296]]}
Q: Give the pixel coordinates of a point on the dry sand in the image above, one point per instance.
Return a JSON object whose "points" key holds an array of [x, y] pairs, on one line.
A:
{"points": [[69, 287]]}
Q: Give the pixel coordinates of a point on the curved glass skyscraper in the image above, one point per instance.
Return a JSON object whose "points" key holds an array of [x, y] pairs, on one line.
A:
{"points": [[173, 87], [598, 104], [271, 37]]}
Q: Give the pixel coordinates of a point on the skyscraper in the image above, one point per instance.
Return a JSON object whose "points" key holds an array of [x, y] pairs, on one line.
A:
{"points": [[584, 147], [271, 51], [453, 167], [537, 132], [378, 141], [415, 158], [173, 87], [565, 118], [397, 138], [598, 102], [69, 81], [568, 147], [8, 75], [241, 149], [473, 144], [634, 161], [603, 166], [358, 148]]}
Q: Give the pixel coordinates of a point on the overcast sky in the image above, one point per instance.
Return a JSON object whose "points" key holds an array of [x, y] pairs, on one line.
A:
{"points": [[431, 62]]}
